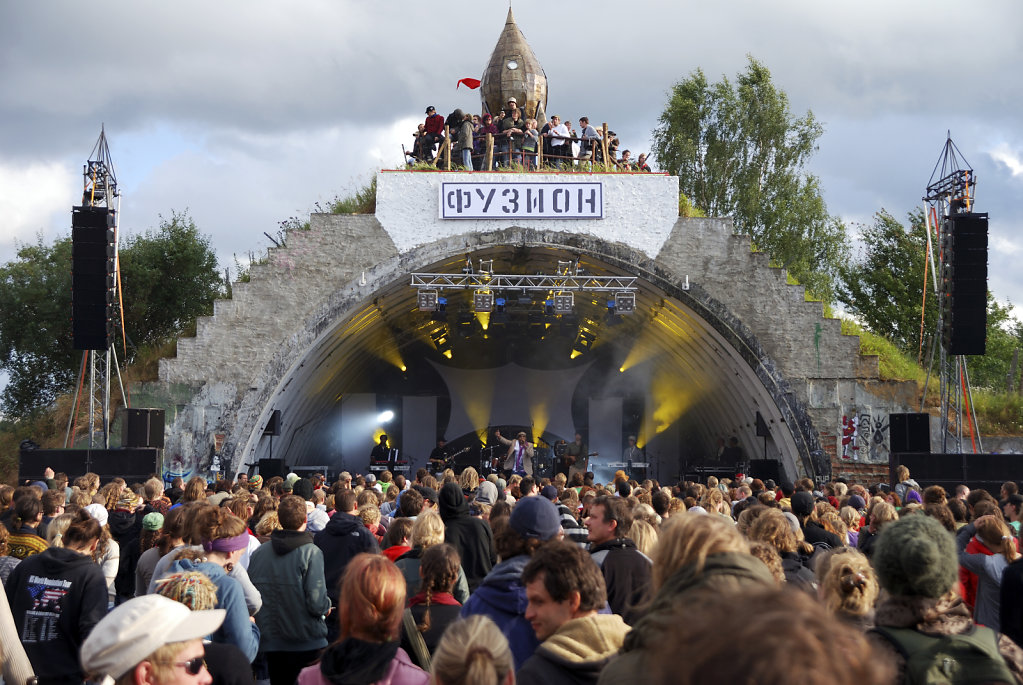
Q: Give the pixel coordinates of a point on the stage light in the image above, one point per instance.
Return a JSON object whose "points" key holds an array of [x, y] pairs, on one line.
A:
{"points": [[548, 307], [625, 302], [385, 416], [564, 303], [483, 301], [427, 300], [447, 353]]}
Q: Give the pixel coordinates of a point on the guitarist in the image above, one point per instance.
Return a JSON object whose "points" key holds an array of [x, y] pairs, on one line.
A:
{"points": [[576, 458], [439, 456]]}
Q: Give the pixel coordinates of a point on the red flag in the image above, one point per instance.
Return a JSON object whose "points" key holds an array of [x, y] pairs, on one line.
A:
{"points": [[471, 82]]}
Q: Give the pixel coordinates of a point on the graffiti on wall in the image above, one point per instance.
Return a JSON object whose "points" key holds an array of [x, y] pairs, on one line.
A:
{"points": [[865, 436]]}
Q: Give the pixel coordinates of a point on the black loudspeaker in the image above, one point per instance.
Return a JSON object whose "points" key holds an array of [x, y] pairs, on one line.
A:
{"points": [[910, 433], [143, 428], [273, 426], [92, 272], [764, 469], [268, 468], [964, 250]]}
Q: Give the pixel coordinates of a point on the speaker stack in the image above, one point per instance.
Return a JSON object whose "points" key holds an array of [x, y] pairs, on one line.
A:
{"points": [[92, 276], [964, 284]]}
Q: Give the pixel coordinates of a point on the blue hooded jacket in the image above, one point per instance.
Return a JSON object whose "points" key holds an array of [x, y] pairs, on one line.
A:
{"points": [[502, 597], [237, 629]]}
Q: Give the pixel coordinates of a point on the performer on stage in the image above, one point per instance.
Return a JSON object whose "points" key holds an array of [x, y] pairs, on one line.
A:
{"points": [[381, 454], [519, 459], [439, 455], [576, 459], [632, 453]]}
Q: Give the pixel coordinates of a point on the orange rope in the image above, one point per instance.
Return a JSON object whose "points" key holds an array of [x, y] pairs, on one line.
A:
{"points": [[81, 382], [969, 413]]}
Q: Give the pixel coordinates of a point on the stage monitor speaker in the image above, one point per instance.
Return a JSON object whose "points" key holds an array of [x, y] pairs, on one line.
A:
{"points": [[964, 282], [910, 432], [268, 468], [92, 261], [764, 469], [143, 428], [273, 426]]}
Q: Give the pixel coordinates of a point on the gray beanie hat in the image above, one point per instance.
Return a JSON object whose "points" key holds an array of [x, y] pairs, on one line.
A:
{"points": [[916, 556]]}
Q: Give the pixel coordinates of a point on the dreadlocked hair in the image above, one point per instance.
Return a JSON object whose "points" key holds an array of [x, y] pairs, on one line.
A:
{"points": [[439, 568], [193, 589]]}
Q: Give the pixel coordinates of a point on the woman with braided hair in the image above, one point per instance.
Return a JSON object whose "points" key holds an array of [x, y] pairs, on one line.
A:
{"points": [[434, 608], [223, 538]]}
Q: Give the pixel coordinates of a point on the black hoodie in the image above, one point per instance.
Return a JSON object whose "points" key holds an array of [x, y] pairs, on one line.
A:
{"points": [[57, 597], [341, 539], [472, 537]]}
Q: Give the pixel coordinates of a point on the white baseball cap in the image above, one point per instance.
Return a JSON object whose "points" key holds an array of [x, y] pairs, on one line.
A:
{"points": [[137, 628]]}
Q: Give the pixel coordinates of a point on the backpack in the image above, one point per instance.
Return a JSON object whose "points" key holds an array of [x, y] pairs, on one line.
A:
{"points": [[970, 657]]}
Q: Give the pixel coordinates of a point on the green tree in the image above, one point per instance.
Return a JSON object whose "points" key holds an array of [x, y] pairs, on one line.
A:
{"points": [[884, 286], [738, 151], [1004, 334], [169, 276], [35, 326]]}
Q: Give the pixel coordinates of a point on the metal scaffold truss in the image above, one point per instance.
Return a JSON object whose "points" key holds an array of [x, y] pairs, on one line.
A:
{"points": [[950, 193], [100, 192]]}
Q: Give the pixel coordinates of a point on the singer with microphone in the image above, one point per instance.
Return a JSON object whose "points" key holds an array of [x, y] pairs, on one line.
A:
{"points": [[519, 459]]}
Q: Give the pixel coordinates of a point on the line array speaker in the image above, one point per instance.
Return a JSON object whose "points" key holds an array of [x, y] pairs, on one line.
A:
{"points": [[964, 283], [910, 432], [92, 275]]}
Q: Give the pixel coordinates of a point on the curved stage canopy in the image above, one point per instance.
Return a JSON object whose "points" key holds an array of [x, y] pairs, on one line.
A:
{"points": [[672, 373]]}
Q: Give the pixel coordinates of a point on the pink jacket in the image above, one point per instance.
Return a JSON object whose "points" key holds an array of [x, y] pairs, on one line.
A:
{"points": [[401, 672]]}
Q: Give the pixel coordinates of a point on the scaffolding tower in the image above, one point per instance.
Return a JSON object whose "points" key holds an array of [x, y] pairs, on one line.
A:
{"points": [[100, 192], [950, 192]]}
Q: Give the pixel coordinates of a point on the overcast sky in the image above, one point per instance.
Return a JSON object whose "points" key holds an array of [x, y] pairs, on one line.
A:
{"points": [[247, 113]]}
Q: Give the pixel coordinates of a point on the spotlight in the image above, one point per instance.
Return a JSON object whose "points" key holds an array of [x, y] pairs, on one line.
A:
{"points": [[499, 303], [625, 302], [427, 300], [385, 416], [548, 307], [563, 303], [483, 301]]}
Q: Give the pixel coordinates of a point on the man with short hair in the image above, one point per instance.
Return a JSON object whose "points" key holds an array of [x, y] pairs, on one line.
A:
{"points": [[288, 572], [587, 136], [626, 570], [344, 537], [565, 590], [519, 459]]}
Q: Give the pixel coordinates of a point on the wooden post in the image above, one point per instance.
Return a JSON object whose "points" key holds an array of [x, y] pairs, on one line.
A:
{"points": [[603, 144], [447, 148], [539, 152], [488, 155]]}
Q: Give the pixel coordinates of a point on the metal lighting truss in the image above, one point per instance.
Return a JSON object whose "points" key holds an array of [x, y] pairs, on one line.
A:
{"points": [[519, 282]]}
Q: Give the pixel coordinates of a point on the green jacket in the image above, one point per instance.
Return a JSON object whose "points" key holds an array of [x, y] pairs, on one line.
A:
{"points": [[288, 572]]}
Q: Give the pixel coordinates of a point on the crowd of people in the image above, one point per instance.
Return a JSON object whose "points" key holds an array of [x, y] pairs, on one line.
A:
{"points": [[518, 141], [456, 579]]}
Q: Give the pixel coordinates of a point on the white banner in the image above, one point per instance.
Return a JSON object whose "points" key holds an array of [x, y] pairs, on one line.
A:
{"points": [[553, 200]]}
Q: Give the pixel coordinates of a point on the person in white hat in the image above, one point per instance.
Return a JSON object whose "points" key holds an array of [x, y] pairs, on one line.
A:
{"points": [[150, 640]]}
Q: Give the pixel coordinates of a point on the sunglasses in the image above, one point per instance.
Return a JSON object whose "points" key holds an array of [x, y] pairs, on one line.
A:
{"points": [[193, 666]]}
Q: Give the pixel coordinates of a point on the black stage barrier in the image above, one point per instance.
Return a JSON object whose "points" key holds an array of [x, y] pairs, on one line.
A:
{"points": [[986, 471], [136, 464]]}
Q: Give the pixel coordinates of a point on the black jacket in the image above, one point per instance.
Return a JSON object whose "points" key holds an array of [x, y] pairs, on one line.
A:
{"points": [[57, 597], [126, 529], [472, 537], [1011, 606], [342, 538], [627, 576]]}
